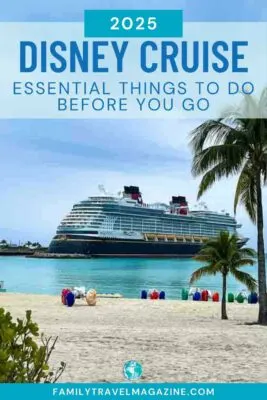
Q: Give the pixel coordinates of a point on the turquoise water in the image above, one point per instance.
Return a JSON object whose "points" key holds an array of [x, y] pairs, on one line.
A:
{"points": [[125, 276]]}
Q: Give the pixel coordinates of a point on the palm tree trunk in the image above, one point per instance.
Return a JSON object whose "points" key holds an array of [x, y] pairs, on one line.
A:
{"points": [[224, 314], [262, 319]]}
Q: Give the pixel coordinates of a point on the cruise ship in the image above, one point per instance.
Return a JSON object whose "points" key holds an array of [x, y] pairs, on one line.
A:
{"points": [[125, 226]]}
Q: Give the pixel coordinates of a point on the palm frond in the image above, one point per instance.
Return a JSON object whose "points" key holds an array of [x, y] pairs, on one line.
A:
{"points": [[213, 175], [246, 192], [245, 278], [223, 255], [229, 156], [264, 163], [211, 131], [199, 135], [203, 271], [209, 251], [235, 143], [247, 252], [243, 262]]}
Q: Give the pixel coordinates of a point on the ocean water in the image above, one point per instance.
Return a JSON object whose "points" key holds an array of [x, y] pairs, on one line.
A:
{"points": [[125, 276]]}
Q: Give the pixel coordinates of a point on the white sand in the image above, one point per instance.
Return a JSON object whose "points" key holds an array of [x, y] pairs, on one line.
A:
{"points": [[174, 340]]}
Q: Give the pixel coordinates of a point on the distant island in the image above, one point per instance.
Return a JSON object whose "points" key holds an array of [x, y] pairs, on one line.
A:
{"points": [[32, 250], [23, 249]]}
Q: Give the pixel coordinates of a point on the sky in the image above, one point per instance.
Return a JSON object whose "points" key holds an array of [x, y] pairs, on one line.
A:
{"points": [[47, 165]]}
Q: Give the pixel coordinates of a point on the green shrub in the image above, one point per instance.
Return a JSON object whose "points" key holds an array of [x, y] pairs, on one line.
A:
{"points": [[22, 360]]}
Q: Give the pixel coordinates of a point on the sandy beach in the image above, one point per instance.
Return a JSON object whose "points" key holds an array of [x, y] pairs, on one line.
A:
{"points": [[175, 341]]}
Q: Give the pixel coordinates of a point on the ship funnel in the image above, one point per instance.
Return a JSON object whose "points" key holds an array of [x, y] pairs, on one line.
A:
{"points": [[179, 205], [133, 192]]}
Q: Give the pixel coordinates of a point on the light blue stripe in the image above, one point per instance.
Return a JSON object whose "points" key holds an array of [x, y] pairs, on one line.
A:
{"points": [[124, 391], [97, 23]]}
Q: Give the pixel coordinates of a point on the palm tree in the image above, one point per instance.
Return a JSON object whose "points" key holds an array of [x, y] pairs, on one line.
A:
{"points": [[237, 144], [36, 245], [224, 255]]}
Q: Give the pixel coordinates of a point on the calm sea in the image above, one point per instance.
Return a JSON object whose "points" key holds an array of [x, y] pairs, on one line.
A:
{"points": [[125, 276]]}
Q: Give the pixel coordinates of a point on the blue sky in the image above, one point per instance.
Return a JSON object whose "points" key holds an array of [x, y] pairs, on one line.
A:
{"points": [[194, 10], [47, 165]]}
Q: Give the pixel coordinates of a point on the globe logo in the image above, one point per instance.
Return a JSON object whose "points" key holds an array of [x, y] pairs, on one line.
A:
{"points": [[132, 370]]}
